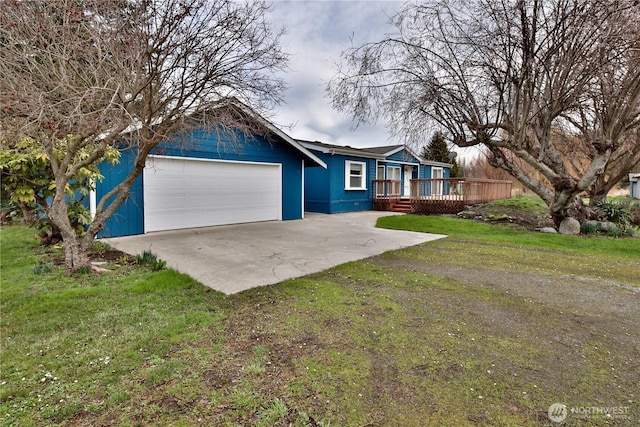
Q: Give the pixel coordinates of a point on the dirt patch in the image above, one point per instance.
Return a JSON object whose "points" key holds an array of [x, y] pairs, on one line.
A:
{"points": [[523, 218], [113, 256]]}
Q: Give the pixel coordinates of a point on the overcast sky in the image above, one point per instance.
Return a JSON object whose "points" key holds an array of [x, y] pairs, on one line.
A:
{"points": [[317, 32]]}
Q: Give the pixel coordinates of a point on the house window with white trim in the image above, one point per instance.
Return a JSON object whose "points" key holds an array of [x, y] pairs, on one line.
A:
{"points": [[355, 175], [394, 174]]}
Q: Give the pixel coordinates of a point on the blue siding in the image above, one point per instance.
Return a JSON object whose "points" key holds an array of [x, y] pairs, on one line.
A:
{"points": [[425, 172], [316, 187], [129, 219], [403, 156], [325, 189]]}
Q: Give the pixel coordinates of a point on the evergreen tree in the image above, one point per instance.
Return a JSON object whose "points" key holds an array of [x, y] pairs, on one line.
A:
{"points": [[438, 151]]}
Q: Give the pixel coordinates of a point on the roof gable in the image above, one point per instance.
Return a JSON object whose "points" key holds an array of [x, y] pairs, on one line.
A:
{"points": [[279, 133]]}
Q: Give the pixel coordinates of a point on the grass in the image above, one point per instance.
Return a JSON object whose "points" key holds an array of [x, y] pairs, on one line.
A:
{"points": [[437, 334], [477, 231], [531, 204]]}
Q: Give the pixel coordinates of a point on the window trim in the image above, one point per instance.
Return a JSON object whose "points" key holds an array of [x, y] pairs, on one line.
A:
{"points": [[394, 168], [437, 189], [395, 189], [348, 175]]}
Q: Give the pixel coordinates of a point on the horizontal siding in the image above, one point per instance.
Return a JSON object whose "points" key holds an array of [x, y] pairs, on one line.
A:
{"points": [[128, 218], [403, 156], [325, 188], [316, 187], [206, 145], [342, 200]]}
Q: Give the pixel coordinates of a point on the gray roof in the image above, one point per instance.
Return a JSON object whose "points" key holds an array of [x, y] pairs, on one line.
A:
{"points": [[379, 152], [383, 149], [340, 149]]}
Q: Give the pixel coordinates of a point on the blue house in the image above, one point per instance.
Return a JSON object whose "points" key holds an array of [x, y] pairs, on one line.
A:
{"points": [[354, 176], [211, 177]]}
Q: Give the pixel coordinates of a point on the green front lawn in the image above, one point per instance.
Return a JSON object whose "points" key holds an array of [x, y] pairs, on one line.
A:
{"points": [[461, 331]]}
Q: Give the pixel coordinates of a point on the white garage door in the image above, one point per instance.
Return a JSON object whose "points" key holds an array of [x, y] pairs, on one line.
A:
{"points": [[187, 193]]}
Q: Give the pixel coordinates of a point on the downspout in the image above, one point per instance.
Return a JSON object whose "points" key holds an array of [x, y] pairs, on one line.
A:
{"points": [[93, 199]]}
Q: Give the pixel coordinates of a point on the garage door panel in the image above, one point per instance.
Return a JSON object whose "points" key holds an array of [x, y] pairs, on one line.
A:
{"points": [[186, 193]]}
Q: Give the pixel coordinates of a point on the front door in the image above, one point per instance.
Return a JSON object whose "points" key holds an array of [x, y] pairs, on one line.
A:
{"points": [[408, 172]]}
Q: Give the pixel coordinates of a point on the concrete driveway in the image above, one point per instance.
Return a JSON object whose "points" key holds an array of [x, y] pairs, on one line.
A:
{"points": [[234, 258]]}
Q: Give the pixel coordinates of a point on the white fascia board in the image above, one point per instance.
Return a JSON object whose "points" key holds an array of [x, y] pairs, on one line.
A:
{"points": [[434, 163], [401, 163]]}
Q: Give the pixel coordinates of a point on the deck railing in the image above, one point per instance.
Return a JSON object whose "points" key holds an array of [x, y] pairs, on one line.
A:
{"points": [[386, 193], [470, 190], [440, 195], [450, 195], [387, 188]]}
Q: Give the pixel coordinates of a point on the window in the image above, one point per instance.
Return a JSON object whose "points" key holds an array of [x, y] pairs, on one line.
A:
{"points": [[394, 173], [436, 175], [380, 186], [355, 174]]}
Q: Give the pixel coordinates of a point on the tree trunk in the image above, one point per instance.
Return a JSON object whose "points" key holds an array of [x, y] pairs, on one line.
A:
{"points": [[28, 215], [74, 257], [598, 191], [573, 207]]}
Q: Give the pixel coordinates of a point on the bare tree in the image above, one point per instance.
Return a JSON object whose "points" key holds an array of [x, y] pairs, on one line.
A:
{"points": [[623, 161], [92, 71], [578, 155], [503, 75]]}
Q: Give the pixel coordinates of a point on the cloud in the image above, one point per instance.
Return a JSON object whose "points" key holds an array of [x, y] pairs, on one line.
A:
{"points": [[317, 33]]}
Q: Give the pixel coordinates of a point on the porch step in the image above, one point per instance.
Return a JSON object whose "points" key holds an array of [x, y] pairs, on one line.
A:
{"points": [[403, 206]]}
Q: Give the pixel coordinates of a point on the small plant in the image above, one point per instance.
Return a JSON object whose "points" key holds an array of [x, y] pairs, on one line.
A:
{"points": [[614, 211], [123, 259], [84, 270], [42, 268], [149, 258], [619, 213], [99, 246], [589, 227]]}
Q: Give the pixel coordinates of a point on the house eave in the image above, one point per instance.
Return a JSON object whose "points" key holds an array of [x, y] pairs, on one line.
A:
{"points": [[437, 164], [278, 132], [341, 151]]}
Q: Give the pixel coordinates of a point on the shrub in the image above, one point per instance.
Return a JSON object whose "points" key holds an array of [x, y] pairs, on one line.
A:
{"points": [[149, 258], [618, 212]]}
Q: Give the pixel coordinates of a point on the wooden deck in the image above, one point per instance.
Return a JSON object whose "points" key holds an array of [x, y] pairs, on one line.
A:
{"points": [[439, 196]]}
